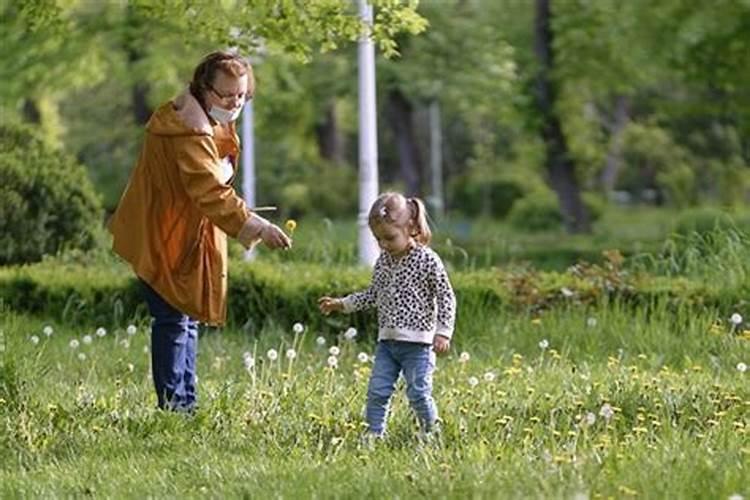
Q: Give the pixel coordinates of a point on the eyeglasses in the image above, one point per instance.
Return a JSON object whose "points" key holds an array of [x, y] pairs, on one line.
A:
{"points": [[226, 97]]}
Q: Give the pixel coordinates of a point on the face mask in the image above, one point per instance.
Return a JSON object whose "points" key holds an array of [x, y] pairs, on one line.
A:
{"points": [[222, 115]]}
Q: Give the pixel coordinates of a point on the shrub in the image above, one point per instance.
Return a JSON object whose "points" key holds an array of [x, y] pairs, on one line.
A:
{"points": [[540, 211], [495, 197], [536, 212], [47, 202]]}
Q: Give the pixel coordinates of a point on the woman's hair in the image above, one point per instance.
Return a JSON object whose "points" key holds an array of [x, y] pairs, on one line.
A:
{"points": [[227, 62], [397, 210]]}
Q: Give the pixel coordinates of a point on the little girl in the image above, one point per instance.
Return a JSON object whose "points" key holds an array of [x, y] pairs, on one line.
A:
{"points": [[416, 309]]}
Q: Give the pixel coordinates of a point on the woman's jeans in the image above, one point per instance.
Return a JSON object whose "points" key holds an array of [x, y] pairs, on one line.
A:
{"points": [[416, 362], [174, 341]]}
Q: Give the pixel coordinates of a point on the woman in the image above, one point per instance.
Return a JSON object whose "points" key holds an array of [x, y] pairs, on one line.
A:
{"points": [[177, 209]]}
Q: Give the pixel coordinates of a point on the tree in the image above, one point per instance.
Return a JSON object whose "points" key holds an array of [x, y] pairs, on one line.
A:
{"points": [[559, 162]]}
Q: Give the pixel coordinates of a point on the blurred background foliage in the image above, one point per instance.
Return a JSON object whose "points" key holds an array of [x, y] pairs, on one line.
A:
{"points": [[553, 113]]}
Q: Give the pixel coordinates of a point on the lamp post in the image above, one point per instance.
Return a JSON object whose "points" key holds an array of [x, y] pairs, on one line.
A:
{"points": [[368, 140]]}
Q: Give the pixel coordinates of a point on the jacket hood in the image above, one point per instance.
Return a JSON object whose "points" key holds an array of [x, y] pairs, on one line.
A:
{"points": [[181, 116]]}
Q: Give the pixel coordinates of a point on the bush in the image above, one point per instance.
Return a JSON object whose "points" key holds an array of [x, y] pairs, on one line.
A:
{"points": [[318, 188], [540, 211], [47, 202], [495, 197], [537, 212]]}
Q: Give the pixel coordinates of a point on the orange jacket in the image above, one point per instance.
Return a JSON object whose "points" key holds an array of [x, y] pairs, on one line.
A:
{"points": [[173, 218]]}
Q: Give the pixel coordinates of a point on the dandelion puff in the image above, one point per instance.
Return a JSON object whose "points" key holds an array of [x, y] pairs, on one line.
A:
{"points": [[489, 377], [87, 339], [566, 292], [591, 322], [589, 419], [34, 339], [74, 344], [333, 361], [248, 360], [146, 350], [606, 411], [736, 319], [48, 331], [473, 381], [362, 357], [464, 357], [350, 333], [131, 330], [334, 350], [298, 328], [125, 344], [130, 367], [543, 344], [81, 356], [101, 332], [741, 367], [272, 354], [321, 341], [291, 354]]}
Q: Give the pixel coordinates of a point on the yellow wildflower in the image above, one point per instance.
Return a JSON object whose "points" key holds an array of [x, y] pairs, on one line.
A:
{"points": [[290, 225]]}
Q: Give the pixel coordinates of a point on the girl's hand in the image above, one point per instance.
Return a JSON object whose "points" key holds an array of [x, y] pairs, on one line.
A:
{"points": [[328, 305], [441, 344]]}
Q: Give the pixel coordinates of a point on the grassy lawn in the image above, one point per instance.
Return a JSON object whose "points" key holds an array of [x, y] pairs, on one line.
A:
{"points": [[574, 403]]}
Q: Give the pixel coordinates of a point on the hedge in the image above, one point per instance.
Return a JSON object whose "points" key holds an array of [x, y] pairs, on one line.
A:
{"points": [[284, 293]]}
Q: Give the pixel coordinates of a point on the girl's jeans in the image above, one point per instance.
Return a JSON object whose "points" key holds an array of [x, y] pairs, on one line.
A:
{"points": [[174, 341], [416, 362]]}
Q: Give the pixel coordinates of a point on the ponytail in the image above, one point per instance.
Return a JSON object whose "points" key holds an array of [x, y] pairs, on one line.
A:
{"points": [[419, 226]]}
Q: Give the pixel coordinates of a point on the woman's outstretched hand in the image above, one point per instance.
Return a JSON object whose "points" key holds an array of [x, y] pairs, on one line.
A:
{"points": [[328, 305], [274, 237]]}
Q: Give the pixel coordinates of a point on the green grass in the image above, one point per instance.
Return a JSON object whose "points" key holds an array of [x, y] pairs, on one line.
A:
{"points": [[71, 426]]}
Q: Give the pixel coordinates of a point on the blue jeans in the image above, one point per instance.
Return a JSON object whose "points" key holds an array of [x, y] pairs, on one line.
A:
{"points": [[416, 362], [174, 342]]}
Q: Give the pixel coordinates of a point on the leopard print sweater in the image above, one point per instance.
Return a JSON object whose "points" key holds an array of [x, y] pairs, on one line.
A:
{"points": [[413, 295]]}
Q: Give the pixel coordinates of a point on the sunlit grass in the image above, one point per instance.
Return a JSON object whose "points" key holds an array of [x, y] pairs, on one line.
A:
{"points": [[598, 403]]}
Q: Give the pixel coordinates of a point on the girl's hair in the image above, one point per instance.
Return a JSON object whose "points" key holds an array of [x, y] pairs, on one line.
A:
{"points": [[228, 63], [397, 210]]}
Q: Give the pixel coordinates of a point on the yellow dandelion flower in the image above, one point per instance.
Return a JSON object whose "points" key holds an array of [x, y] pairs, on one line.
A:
{"points": [[536, 321], [290, 225]]}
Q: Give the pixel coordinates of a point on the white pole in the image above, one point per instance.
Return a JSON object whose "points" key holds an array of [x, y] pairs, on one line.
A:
{"points": [[436, 159], [248, 161], [368, 141]]}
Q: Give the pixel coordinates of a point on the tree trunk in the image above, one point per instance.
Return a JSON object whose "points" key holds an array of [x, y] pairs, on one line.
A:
{"points": [[613, 162], [141, 110], [559, 164], [401, 117], [31, 112], [330, 142], [139, 91]]}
